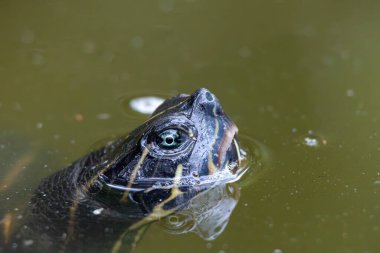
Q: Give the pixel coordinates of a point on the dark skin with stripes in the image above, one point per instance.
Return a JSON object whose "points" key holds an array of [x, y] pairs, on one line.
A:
{"points": [[103, 201]]}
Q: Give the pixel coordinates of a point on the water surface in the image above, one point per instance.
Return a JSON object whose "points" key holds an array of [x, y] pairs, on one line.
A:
{"points": [[301, 78]]}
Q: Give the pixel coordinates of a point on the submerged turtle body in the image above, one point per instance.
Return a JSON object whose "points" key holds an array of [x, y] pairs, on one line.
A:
{"points": [[187, 147]]}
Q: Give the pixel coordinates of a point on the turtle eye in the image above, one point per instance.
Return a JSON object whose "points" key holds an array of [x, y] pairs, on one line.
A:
{"points": [[169, 139]]}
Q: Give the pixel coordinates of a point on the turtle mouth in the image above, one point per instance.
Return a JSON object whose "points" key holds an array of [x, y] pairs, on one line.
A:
{"points": [[228, 150]]}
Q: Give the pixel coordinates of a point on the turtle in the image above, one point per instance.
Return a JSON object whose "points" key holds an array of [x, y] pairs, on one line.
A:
{"points": [[104, 201]]}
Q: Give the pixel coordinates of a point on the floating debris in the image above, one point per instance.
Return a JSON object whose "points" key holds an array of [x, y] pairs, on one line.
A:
{"points": [[145, 105], [78, 117], [103, 116], [311, 142], [311, 139]]}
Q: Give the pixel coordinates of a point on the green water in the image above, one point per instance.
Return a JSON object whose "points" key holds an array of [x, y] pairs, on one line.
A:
{"points": [[292, 74]]}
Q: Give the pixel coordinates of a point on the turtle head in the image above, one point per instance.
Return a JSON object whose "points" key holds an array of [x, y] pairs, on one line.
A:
{"points": [[185, 147]]}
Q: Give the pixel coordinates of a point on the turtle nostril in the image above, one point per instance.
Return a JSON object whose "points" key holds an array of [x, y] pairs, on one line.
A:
{"points": [[209, 97], [219, 111]]}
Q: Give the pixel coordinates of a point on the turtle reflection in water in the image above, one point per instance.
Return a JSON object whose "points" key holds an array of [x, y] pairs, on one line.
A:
{"points": [[181, 157]]}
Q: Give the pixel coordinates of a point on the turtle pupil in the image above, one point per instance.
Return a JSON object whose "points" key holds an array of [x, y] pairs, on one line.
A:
{"points": [[169, 139]]}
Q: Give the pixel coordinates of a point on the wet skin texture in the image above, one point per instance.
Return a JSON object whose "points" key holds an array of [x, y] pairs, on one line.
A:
{"points": [[103, 201]]}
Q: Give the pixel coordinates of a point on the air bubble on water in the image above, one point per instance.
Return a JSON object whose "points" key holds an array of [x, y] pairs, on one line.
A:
{"points": [[145, 105], [277, 251], [328, 60], [166, 5], [27, 37], [98, 211], [245, 52], [108, 56], [209, 245], [38, 58], [39, 125], [350, 93], [377, 183], [89, 47], [173, 220], [17, 107], [137, 42]]}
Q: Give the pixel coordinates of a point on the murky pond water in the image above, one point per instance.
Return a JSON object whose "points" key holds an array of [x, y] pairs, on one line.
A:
{"points": [[300, 79]]}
